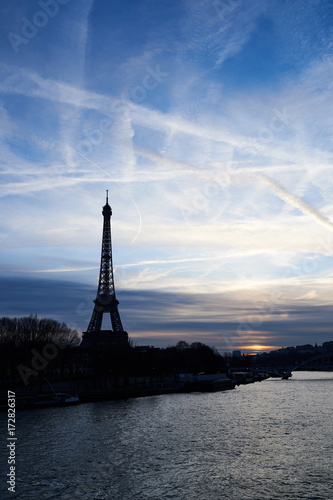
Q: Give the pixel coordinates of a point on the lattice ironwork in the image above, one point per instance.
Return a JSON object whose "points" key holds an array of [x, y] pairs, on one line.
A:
{"points": [[106, 301]]}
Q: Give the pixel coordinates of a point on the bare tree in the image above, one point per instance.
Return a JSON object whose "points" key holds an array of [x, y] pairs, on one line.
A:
{"points": [[32, 329]]}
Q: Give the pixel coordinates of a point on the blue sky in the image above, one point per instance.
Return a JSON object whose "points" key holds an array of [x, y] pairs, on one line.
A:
{"points": [[210, 123]]}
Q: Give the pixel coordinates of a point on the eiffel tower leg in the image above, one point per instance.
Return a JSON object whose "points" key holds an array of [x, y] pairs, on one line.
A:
{"points": [[115, 317], [95, 324]]}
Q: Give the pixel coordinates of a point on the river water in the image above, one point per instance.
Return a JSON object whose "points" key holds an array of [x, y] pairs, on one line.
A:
{"points": [[269, 440]]}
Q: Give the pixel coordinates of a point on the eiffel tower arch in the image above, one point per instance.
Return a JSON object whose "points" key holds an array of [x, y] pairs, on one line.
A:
{"points": [[105, 302]]}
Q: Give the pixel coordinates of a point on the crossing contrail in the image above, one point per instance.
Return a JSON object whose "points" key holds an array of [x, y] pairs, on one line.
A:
{"points": [[295, 201], [121, 187], [279, 190]]}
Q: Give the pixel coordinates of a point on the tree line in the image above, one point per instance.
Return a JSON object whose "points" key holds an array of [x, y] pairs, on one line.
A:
{"points": [[31, 329]]}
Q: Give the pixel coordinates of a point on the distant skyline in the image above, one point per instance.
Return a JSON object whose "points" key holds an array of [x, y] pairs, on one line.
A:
{"points": [[210, 123]]}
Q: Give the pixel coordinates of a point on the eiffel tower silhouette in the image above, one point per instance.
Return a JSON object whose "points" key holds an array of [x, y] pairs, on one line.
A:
{"points": [[105, 301]]}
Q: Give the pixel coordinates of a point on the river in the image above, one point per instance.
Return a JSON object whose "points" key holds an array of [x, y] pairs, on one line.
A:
{"points": [[269, 440]]}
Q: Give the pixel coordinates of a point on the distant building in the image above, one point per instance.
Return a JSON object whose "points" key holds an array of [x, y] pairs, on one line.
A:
{"points": [[328, 346], [307, 348]]}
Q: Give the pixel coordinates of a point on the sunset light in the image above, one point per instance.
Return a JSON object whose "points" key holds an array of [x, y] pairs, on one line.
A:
{"points": [[255, 349]]}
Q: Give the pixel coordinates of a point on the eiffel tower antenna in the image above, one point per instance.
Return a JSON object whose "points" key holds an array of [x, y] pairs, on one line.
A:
{"points": [[105, 301]]}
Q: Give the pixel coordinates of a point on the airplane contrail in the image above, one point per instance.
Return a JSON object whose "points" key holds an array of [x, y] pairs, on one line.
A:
{"points": [[277, 188], [295, 201], [121, 187]]}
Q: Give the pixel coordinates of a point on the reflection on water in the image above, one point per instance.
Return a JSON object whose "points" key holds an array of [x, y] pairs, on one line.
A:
{"points": [[269, 440]]}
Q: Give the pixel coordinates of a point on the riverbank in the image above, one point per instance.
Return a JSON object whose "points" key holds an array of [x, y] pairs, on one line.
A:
{"points": [[139, 392], [108, 390]]}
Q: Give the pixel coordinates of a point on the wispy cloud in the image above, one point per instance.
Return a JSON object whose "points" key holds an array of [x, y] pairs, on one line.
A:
{"points": [[211, 128]]}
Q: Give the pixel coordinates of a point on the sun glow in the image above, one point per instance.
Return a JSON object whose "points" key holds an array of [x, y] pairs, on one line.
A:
{"points": [[253, 349]]}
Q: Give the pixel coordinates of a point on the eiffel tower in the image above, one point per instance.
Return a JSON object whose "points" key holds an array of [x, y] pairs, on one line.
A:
{"points": [[105, 301]]}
